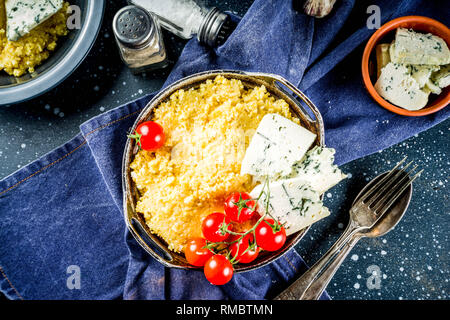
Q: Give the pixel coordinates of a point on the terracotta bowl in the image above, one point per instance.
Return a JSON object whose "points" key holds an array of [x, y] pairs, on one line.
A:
{"points": [[385, 35]]}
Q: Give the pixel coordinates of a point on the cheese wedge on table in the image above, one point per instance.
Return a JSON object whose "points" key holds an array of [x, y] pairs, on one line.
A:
{"points": [[277, 144], [24, 15], [396, 85], [318, 170], [412, 47], [292, 202]]}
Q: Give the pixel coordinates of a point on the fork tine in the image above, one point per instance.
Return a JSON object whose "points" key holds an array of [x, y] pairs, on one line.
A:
{"points": [[388, 184], [392, 189], [399, 192], [385, 178]]}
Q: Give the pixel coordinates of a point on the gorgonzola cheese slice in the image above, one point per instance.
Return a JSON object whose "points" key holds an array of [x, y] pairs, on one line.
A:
{"points": [[432, 88], [442, 77], [292, 202], [318, 170], [277, 144], [396, 85], [412, 47], [421, 73], [24, 15]]}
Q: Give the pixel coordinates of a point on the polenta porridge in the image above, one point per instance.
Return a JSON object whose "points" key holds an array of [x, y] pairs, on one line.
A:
{"points": [[225, 172], [207, 132], [29, 30]]}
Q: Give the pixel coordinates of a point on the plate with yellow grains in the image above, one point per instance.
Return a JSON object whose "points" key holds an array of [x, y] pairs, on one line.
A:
{"points": [[228, 172], [42, 42], [29, 31]]}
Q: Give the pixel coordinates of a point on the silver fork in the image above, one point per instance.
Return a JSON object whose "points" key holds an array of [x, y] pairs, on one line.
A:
{"points": [[364, 214]]}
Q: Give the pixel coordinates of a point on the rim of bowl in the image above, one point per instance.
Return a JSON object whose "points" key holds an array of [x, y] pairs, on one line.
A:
{"points": [[381, 32], [64, 68]]}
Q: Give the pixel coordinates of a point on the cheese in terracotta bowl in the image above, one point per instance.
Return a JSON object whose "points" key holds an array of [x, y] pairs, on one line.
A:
{"points": [[411, 68]]}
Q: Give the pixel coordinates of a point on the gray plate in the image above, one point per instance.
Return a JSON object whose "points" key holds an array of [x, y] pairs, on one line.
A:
{"points": [[301, 107], [69, 53]]}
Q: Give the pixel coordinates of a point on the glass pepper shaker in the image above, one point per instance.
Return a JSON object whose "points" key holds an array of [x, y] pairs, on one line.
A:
{"points": [[139, 39], [187, 18]]}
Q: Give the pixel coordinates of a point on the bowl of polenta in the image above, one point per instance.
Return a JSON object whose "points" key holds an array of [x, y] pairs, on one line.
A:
{"points": [[215, 135], [42, 42]]}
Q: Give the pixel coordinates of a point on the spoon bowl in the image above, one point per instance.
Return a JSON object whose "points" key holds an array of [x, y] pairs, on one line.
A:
{"points": [[393, 217]]}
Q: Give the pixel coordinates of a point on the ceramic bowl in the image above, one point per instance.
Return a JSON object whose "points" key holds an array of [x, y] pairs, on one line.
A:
{"points": [[385, 35]]}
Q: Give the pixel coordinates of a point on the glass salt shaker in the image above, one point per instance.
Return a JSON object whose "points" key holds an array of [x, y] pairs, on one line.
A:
{"points": [[187, 18], [139, 39]]}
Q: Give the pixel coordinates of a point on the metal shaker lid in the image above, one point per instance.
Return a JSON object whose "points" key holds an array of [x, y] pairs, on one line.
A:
{"points": [[133, 26], [215, 28]]}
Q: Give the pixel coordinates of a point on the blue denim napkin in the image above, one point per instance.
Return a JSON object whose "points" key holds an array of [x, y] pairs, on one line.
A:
{"points": [[62, 234]]}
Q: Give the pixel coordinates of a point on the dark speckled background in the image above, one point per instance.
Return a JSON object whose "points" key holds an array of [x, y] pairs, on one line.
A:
{"points": [[413, 260]]}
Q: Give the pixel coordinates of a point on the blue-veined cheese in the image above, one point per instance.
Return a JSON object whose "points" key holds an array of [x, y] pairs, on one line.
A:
{"points": [[293, 202], [277, 144], [432, 87], [441, 78], [24, 15], [396, 85], [412, 47], [318, 170], [421, 72]]}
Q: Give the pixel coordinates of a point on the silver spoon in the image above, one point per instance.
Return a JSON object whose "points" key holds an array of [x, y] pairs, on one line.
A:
{"points": [[312, 284]]}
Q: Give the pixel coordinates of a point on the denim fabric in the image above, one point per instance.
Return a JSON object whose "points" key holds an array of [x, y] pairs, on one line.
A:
{"points": [[66, 208]]}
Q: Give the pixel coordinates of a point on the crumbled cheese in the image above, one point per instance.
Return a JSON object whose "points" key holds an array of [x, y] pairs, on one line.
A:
{"points": [[432, 88], [421, 73], [442, 77]]}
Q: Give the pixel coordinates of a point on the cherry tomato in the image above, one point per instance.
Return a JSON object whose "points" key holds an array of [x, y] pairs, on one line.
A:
{"points": [[149, 136], [195, 252], [218, 270], [240, 250], [240, 207], [214, 227], [269, 236]]}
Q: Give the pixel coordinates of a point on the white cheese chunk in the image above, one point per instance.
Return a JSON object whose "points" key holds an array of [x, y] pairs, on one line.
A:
{"points": [[318, 170], [431, 87], [442, 77], [412, 47], [276, 145], [421, 73], [397, 86], [292, 202], [24, 15]]}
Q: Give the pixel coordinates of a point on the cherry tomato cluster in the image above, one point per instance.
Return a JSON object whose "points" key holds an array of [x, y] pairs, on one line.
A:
{"points": [[222, 247]]}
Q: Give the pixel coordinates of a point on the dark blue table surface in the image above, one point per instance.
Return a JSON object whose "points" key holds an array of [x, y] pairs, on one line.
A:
{"points": [[412, 261]]}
